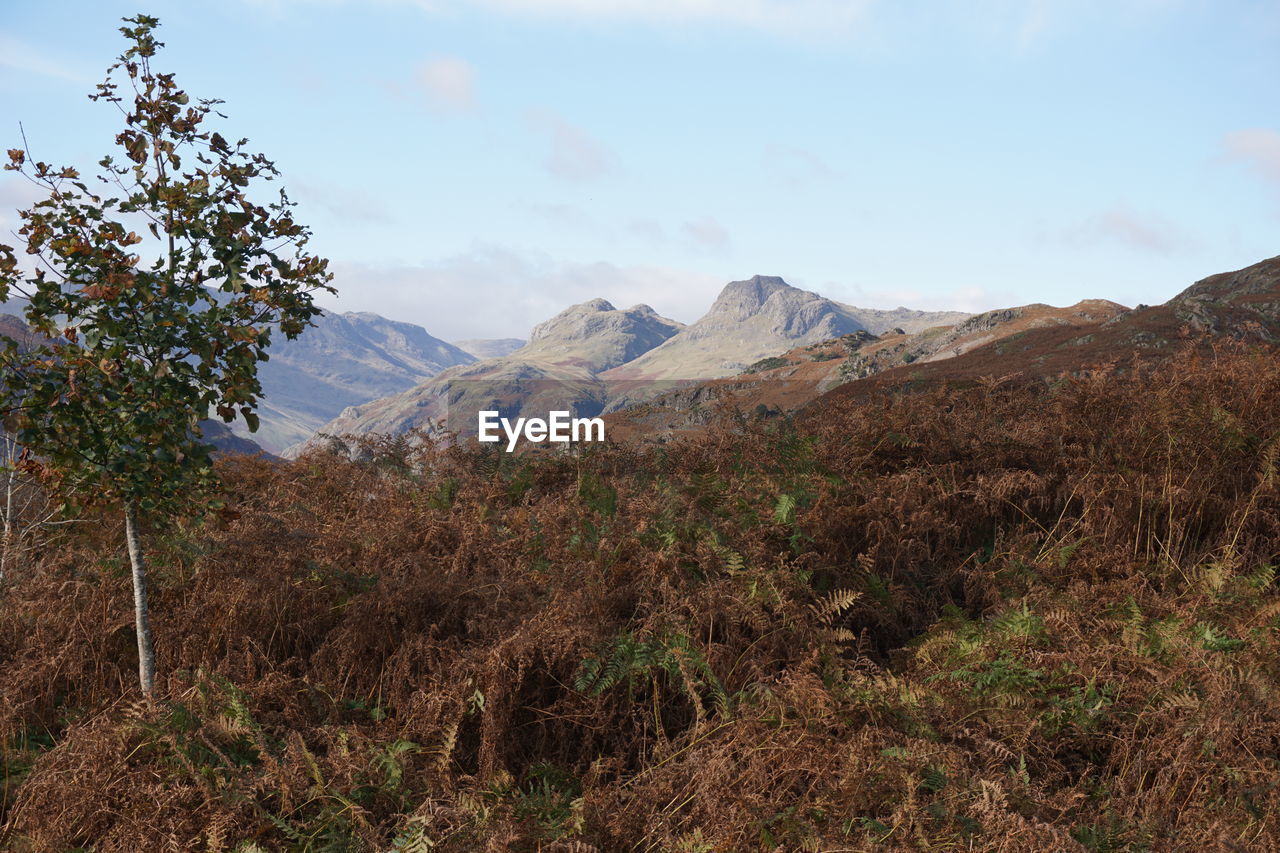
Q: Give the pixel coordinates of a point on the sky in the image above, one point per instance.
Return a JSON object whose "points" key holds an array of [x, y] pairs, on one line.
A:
{"points": [[475, 166]]}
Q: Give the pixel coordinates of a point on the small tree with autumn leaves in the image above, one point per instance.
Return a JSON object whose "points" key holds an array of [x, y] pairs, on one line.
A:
{"points": [[154, 292]]}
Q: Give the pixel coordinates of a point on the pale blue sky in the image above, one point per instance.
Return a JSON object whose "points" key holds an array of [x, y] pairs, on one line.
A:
{"points": [[476, 166]]}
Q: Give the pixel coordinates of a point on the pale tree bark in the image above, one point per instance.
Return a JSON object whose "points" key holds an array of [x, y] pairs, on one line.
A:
{"points": [[142, 621]]}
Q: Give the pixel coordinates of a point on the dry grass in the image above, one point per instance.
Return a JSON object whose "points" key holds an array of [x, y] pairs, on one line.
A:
{"points": [[1003, 617]]}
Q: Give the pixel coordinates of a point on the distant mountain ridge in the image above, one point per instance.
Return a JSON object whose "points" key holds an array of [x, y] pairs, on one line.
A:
{"points": [[557, 368], [759, 317], [1021, 344], [596, 357], [597, 336], [483, 348], [344, 360]]}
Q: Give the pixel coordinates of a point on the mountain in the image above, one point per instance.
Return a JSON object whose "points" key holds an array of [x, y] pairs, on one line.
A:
{"points": [[761, 317], [1029, 341], [594, 357], [557, 369], [790, 381], [344, 360], [227, 442], [596, 336], [1239, 305], [483, 348]]}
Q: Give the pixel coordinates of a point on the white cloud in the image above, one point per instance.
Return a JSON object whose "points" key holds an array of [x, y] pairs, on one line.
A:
{"points": [[1120, 225], [706, 233], [575, 155], [495, 292], [449, 83], [1257, 148]]}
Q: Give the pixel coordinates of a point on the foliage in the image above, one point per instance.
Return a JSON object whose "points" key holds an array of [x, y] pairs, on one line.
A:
{"points": [[768, 363], [134, 353], [1019, 616]]}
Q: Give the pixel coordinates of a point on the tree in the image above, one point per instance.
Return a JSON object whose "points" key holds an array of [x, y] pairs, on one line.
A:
{"points": [[132, 354]]}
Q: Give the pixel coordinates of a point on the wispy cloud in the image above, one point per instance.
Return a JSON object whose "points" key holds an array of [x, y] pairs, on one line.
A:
{"points": [[1123, 226], [1025, 24], [1020, 23], [575, 155], [650, 230], [706, 234], [448, 82], [1258, 149]]}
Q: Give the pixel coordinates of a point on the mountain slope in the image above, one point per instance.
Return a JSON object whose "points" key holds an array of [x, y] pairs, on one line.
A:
{"points": [[760, 317], [1028, 341], [556, 369], [596, 336], [483, 348], [797, 377], [345, 360]]}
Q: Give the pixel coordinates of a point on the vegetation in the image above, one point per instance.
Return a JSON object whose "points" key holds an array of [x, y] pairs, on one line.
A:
{"points": [[770, 363], [1011, 616], [132, 355]]}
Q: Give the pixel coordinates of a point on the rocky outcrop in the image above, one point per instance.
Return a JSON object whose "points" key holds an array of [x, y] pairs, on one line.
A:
{"points": [[760, 317], [557, 369], [596, 336]]}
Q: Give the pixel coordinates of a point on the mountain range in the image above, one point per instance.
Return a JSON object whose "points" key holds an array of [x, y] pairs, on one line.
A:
{"points": [[344, 360], [558, 368], [593, 357], [762, 344], [1020, 343], [760, 317], [767, 346]]}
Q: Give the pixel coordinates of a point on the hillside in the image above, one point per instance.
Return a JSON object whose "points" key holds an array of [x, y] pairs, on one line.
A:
{"points": [[556, 369], [1241, 305], [794, 379], [482, 348], [1025, 617], [1031, 341], [345, 360], [760, 317]]}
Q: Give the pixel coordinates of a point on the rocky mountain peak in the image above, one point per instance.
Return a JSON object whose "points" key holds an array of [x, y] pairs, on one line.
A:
{"points": [[575, 320], [1259, 282], [595, 334], [744, 298], [774, 308]]}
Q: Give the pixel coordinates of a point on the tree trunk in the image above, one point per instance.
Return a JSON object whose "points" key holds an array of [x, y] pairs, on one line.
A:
{"points": [[142, 621]]}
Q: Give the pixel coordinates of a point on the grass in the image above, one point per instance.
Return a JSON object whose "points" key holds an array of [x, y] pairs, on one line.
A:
{"points": [[1035, 616]]}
